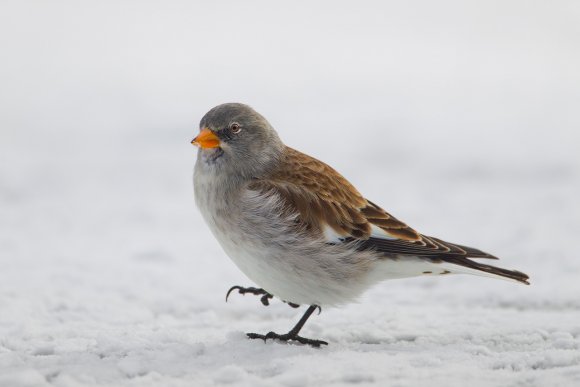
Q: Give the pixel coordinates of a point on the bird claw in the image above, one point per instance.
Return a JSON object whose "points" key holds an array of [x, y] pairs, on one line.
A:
{"points": [[265, 299], [287, 337], [255, 291]]}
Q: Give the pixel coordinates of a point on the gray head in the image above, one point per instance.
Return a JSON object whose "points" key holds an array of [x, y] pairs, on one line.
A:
{"points": [[236, 140]]}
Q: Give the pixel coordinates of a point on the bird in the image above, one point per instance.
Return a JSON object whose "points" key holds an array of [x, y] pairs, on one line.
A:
{"points": [[301, 231]]}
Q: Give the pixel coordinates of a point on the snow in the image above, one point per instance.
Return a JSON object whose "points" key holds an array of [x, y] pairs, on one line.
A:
{"points": [[460, 118]]}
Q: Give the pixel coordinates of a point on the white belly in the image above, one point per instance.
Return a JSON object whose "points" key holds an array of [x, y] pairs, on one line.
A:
{"points": [[253, 256], [267, 249]]}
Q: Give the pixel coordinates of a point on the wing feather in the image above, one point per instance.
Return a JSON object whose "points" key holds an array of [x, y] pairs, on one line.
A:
{"points": [[322, 198]]}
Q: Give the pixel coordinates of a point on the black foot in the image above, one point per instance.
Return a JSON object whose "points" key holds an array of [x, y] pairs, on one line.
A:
{"points": [[266, 297], [288, 337]]}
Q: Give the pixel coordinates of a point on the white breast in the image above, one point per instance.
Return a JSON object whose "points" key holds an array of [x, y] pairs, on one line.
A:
{"points": [[267, 248]]}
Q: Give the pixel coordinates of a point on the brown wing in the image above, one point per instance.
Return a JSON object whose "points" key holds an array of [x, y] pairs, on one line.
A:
{"points": [[323, 199]]}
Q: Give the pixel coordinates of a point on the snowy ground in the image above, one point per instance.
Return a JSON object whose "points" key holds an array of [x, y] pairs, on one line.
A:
{"points": [[461, 119]]}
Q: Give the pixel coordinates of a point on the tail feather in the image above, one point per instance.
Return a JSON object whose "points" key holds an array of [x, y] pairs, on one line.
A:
{"points": [[465, 265]]}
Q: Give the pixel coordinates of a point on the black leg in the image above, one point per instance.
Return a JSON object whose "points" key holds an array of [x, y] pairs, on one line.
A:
{"points": [[293, 334], [265, 299]]}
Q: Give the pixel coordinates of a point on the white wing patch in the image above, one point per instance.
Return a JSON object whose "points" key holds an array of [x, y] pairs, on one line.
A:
{"points": [[377, 232], [331, 236]]}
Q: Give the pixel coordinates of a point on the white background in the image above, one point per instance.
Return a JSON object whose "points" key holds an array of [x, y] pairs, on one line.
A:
{"points": [[461, 118]]}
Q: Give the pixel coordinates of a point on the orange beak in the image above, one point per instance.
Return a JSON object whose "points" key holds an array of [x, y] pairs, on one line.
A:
{"points": [[206, 139]]}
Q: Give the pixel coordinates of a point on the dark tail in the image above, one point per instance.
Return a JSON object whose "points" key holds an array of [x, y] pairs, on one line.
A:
{"points": [[490, 270]]}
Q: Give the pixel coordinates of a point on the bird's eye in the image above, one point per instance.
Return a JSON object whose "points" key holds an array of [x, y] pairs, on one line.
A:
{"points": [[236, 128]]}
